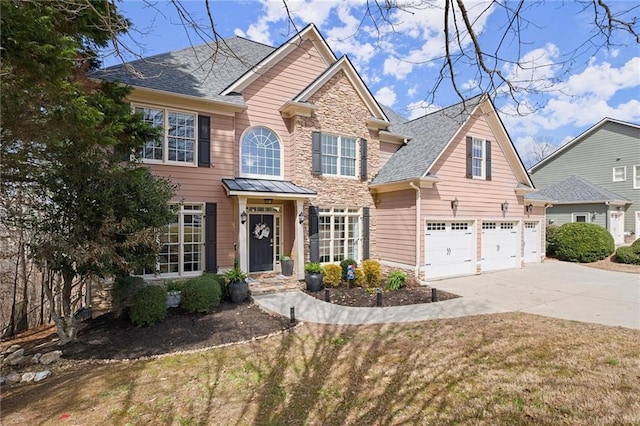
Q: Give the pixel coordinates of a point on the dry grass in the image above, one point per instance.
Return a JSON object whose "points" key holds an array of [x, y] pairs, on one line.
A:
{"points": [[496, 369]]}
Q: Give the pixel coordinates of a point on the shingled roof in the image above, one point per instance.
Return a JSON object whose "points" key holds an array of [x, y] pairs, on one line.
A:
{"points": [[430, 135], [575, 190], [203, 71]]}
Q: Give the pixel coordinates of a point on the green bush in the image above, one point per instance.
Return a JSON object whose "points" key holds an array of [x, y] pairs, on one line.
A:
{"points": [[332, 275], [202, 294], [396, 280], [149, 306], [372, 272], [636, 245], [582, 242], [550, 233], [344, 264], [123, 291], [173, 285], [360, 278], [628, 255]]}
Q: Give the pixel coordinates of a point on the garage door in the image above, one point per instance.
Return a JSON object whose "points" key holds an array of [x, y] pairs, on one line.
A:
{"points": [[531, 242], [500, 245], [449, 249]]}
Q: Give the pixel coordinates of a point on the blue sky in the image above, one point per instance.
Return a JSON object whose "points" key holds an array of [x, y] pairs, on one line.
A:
{"points": [[400, 64]]}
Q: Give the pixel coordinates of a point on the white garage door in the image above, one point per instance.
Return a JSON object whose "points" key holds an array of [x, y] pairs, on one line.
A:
{"points": [[500, 245], [531, 242], [449, 249]]}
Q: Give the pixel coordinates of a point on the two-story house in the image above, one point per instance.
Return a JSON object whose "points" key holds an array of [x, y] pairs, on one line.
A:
{"points": [[595, 178], [284, 151]]}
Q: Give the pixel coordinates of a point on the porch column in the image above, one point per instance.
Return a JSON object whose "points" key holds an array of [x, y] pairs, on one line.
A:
{"points": [[299, 238], [243, 245]]}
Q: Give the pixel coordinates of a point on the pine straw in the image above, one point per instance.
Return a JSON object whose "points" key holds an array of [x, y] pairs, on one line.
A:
{"points": [[496, 369]]}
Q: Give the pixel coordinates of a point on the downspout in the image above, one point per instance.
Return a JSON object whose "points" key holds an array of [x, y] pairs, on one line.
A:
{"points": [[418, 236]]}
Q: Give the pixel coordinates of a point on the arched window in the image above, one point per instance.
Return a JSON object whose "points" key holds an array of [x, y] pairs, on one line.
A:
{"points": [[260, 153]]}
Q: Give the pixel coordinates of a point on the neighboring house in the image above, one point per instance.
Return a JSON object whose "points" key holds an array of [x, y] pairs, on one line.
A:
{"points": [[284, 151], [595, 178]]}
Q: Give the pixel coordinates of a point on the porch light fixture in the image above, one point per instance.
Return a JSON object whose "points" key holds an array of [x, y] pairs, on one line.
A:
{"points": [[529, 208], [300, 217], [505, 206], [454, 204], [243, 217]]}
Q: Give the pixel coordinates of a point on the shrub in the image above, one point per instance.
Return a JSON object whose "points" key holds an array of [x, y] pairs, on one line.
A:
{"points": [[123, 291], [582, 242], [360, 278], [174, 285], [550, 247], [202, 294], [636, 245], [344, 264], [332, 275], [372, 272], [396, 280], [628, 255], [149, 305]]}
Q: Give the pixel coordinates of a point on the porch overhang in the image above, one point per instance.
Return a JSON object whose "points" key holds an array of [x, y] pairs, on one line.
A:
{"points": [[267, 188]]}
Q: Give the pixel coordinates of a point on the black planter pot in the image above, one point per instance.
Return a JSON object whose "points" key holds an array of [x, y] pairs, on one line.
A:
{"points": [[238, 291], [314, 282], [287, 267]]}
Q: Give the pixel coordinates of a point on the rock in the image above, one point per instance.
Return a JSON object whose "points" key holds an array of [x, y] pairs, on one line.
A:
{"points": [[36, 358], [16, 357], [11, 349], [28, 377], [50, 357], [13, 378], [41, 375]]}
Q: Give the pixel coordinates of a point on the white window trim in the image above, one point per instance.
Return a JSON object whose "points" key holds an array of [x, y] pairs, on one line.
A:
{"points": [[483, 165], [358, 159], [636, 176], [165, 136], [332, 214], [258, 176], [624, 174], [585, 214]]}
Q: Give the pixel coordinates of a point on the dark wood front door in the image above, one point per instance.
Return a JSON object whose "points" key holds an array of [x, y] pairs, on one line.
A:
{"points": [[260, 242]]}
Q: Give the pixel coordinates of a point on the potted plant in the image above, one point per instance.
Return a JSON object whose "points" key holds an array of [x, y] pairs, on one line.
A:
{"points": [[237, 288], [313, 276], [287, 266], [174, 294]]}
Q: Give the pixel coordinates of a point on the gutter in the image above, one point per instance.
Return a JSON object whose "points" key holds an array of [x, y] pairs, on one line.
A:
{"points": [[416, 271]]}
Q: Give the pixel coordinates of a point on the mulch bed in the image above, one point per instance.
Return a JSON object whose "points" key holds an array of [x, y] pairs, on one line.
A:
{"points": [[357, 296]]}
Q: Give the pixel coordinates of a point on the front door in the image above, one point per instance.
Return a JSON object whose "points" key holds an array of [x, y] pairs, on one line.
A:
{"points": [[617, 226], [260, 242]]}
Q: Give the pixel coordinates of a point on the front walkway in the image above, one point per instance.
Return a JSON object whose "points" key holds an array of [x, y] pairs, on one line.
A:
{"points": [[553, 289]]}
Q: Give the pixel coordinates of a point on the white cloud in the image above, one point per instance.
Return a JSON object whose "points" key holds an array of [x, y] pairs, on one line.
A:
{"points": [[412, 90], [386, 96], [603, 80], [420, 108]]}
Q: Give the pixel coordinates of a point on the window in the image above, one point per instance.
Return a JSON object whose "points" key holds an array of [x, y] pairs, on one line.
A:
{"points": [[636, 176], [619, 174], [338, 155], [477, 158], [260, 153], [580, 217], [178, 141], [339, 234], [182, 244]]}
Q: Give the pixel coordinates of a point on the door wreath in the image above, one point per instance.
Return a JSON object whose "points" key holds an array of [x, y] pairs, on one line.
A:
{"points": [[260, 231]]}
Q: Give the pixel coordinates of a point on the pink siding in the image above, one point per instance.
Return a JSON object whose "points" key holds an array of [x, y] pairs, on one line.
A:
{"points": [[386, 151], [396, 226]]}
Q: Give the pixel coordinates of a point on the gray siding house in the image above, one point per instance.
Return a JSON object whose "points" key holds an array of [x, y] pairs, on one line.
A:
{"points": [[595, 178]]}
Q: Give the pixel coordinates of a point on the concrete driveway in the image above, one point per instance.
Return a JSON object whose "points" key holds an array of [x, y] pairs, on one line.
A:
{"points": [[556, 289]]}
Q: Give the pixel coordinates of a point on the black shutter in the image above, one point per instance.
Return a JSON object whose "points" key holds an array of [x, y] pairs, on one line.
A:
{"points": [[487, 173], [316, 153], [469, 157], [363, 159], [365, 233], [314, 238], [204, 141], [210, 239]]}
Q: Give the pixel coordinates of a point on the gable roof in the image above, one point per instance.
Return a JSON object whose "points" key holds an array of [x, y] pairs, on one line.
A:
{"points": [[202, 71], [579, 139], [344, 65], [430, 135], [575, 190]]}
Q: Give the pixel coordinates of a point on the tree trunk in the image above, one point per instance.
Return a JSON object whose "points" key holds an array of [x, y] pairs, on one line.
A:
{"points": [[66, 326]]}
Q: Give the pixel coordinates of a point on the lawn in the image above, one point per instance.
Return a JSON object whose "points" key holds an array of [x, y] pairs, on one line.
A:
{"points": [[494, 369]]}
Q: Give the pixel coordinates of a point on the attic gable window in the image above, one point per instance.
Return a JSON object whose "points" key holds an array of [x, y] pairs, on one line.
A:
{"points": [[178, 141], [478, 158], [619, 174]]}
